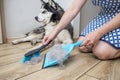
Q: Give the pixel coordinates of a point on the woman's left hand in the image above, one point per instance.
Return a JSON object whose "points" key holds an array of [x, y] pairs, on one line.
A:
{"points": [[91, 39]]}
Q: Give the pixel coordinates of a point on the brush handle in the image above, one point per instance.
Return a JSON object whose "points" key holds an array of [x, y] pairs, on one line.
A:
{"points": [[76, 44], [36, 50]]}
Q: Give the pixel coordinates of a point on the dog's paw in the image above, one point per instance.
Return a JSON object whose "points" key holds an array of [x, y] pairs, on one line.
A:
{"points": [[15, 42], [33, 42]]}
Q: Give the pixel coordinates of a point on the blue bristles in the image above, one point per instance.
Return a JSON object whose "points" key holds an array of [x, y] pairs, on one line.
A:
{"points": [[28, 58]]}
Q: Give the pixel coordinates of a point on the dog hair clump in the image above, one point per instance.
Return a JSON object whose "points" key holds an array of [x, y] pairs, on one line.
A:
{"points": [[34, 60], [57, 53]]}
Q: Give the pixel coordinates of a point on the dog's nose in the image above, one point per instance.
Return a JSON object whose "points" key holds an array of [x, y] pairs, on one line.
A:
{"points": [[36, 18]]}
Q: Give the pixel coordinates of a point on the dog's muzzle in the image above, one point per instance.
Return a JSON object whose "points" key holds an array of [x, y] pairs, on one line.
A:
{"points": [[36, 18]]}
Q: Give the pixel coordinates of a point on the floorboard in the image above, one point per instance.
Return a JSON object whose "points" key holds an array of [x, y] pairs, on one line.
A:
{"points": [[79, 66], [106, 70], [86, 77], [75, 66]]}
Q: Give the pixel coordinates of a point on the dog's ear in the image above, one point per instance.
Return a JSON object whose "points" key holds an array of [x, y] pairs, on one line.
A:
{"points": [[43, 2], [56, 9], [52, 3]]}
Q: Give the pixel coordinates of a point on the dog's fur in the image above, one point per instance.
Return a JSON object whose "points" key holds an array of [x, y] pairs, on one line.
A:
{"points": [[49, 16]]}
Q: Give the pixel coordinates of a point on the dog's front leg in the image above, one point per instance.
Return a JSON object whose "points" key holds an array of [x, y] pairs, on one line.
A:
{"points": [[36, 40], [57, 41], [28, 38]]}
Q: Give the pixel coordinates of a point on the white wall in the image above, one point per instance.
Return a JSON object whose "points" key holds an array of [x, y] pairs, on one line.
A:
{"points": [[1, 40], [19, 16]]}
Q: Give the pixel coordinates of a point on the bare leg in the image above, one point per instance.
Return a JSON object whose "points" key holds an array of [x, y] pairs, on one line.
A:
{"points": [[104, 51]]}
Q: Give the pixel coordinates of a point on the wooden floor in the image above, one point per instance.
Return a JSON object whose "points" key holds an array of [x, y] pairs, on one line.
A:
{"points": [[79, 66]]}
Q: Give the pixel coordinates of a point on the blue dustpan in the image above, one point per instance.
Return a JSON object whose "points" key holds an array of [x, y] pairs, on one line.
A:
{"points": [[68, 48], [35, 53]]}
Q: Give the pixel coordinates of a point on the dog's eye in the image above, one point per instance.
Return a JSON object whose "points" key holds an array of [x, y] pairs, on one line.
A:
{"points": [[44, 12]]}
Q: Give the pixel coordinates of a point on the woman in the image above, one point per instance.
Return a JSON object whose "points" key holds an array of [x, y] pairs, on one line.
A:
{"points": [[102, 35]]}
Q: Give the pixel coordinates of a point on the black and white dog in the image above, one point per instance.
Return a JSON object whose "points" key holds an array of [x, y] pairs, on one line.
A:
{"points": [[49, 16]]}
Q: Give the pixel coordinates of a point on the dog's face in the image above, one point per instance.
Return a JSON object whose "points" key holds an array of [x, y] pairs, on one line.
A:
{"points": [[44, 16], [49, 12]]}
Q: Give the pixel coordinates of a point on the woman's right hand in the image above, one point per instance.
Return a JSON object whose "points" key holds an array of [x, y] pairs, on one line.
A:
{"points": [[48, 38]]}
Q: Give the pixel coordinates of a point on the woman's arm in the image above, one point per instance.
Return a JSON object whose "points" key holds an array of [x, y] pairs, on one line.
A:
{"points": [[93, 37], [69, 14], [109, 26]]}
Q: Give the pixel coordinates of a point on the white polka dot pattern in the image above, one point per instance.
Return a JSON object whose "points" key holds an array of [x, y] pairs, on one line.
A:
{"points": [[109, 9]]}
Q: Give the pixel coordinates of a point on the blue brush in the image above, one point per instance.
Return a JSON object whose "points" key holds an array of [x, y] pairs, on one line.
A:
{"points": [[35, 53], [67, 47]]}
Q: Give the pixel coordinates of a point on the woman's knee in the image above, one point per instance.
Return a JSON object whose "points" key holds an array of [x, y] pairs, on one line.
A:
{"points": [[104, 51], [101, 54]]}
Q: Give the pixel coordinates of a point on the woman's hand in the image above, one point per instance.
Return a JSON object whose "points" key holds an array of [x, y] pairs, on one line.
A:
{"points": [[91, 39], [49, 38]]}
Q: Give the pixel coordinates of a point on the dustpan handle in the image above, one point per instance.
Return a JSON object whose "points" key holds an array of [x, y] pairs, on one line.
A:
{"points": [[76, 44]]}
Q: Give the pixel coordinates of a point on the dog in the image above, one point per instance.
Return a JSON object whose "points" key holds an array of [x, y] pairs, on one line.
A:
{"points": [[49, 16]]}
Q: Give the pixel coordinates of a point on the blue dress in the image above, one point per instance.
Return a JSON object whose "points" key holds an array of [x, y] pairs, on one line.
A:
{"points": [[109, 9]]}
